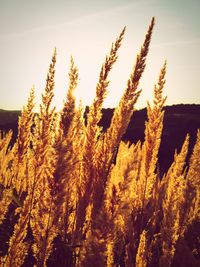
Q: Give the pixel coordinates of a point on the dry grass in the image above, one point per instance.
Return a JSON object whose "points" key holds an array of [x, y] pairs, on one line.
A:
{"points": [[71, 195]]}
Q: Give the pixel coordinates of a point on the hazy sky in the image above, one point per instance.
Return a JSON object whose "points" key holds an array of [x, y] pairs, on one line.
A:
{"points": [[30, 29]]}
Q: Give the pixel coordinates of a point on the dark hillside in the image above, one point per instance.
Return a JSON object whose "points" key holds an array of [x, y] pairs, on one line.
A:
{"points": [[9, 116], [178, 121], [9, 120]]}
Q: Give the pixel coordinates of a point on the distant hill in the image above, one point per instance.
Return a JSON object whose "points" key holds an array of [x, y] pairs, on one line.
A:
{"points": [[178, 121], [8, 120], [9, 116]]}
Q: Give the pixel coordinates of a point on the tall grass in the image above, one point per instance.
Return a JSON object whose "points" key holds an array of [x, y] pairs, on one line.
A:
{"points": [[73, 195]]}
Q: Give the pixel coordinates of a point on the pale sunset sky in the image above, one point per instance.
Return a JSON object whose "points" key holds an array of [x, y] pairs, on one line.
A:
{"points": [[85, 29]]}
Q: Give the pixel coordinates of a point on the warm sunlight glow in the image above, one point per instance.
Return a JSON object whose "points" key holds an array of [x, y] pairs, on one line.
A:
{"points": [[86, 30]]}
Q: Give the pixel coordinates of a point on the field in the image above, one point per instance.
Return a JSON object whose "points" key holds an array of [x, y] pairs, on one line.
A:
{"points": [[73, 194]]}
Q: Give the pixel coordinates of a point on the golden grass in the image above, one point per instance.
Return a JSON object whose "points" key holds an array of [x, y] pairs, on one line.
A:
{"points": [[73, 195]]}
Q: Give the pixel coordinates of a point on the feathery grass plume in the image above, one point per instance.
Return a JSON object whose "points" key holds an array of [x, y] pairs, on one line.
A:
{"points": [[45, 162], [24, 127], [123, 200], [109, 224], [153, 132], [120, 120], [67, 171], [68, 110], [5, 200], [141, 258], [18, 248], [6, 159], [147, 183], [67, 117], [193, 185], [125, 171], [122, 181], [94, 251], [67, 180], [110, 254], [117, 128], [124, 111], [124, 177], [23, 144], [65, 140], [6, 174], [190, 213], [93, 132], [173, 204], [90, 177], [95, 114]]}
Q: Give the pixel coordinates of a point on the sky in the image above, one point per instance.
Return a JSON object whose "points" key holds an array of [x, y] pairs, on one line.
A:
{"points": [[85, 29]]}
